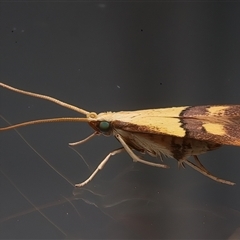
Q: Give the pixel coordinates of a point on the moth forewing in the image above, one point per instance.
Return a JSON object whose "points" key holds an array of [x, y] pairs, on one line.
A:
{"points": [[204, 123], [178, 132], [165, 120]]}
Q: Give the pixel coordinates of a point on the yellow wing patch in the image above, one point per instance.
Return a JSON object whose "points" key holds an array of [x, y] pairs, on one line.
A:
{"points": [[217, 110], [164, 120], [214, 128]]}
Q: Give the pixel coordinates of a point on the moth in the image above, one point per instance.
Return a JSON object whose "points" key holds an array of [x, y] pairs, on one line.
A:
{"points": [[177, 132]]}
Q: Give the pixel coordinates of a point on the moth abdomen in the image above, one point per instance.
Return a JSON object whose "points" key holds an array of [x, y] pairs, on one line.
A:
{"points": [[183, 148]]}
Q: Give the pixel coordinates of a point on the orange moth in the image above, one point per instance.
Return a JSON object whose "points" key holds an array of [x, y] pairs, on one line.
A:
{"points": [[177, 132]]}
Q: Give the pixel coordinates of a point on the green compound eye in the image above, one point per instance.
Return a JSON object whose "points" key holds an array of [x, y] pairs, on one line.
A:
{"points": [[104, 126]]}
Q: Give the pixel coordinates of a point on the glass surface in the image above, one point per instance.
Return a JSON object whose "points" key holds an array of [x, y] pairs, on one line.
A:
{"points": [[113, 57]]}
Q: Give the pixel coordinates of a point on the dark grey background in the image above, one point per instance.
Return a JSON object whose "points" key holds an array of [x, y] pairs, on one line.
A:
{"points": [[114, 56]]}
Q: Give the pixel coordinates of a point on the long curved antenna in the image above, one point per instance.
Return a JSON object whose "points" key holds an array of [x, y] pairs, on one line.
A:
{"points": [[48, 120], [51, 99]]}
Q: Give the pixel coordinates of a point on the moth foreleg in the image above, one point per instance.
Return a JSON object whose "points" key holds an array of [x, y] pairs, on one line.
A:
{"points": [[204, 171], [135, 157], [100, 166], [84, 140]]}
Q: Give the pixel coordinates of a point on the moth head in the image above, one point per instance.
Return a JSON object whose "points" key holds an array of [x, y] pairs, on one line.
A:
{"points": [[101, 122]]}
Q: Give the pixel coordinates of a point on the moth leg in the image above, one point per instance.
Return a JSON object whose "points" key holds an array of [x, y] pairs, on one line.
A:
{"points": [[161, 157], [181, 163], [84, 140], [100, 166], [199, 163], [135, 157], [207, 173]]}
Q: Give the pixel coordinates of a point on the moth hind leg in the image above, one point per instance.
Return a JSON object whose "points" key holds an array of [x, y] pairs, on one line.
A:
{"points": [[200, 165], [200, 168], [181, 163]]}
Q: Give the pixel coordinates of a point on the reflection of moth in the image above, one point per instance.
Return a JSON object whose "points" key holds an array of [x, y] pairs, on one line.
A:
{"points": [[178, 132]]}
